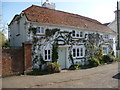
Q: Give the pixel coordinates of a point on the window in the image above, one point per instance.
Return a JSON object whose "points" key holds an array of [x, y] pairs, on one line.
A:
{"points": [[78, 52], [74, 52], [81, 34], [105, 50], [73, 33], [77, 34], [47, 55], [106, 37], [40, 30], [81, 52]]}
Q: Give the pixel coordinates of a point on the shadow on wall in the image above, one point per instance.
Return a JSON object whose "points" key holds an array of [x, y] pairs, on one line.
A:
{"points": [[117, 76]]}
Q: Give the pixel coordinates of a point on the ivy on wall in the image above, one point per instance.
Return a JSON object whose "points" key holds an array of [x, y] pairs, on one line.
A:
{"points": [[93, 44], [55, 52], [51, 32]]}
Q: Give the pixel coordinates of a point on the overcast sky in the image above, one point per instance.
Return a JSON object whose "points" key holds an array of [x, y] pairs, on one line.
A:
{"points": [[101, 10]]}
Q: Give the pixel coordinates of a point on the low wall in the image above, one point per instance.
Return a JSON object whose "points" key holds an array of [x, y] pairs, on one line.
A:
{"points": [[12, 61], [16, 60]]}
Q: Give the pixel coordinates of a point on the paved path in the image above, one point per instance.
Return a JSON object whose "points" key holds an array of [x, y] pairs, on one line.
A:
{"points": [[98, 77]]}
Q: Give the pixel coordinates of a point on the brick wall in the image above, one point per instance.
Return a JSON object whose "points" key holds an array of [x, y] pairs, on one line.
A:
{"points": [[12, 61], [16, 60], [27, 57]]}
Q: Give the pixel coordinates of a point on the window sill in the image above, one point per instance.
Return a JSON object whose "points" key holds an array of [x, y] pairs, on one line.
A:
{"points": [[82, 57], [40, 34], [77, 38]]}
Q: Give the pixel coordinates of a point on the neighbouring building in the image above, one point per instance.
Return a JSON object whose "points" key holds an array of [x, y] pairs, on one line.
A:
{"points": [[115, 26], [73, 37]]}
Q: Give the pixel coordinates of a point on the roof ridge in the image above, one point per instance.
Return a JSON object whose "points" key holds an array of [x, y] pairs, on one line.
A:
{"points": [[76, 15]]}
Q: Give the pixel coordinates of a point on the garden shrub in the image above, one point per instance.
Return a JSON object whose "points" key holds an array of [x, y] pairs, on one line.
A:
{"points": [[107, 58], [94, 62], [56, 67], [75, 66], [116, 59], [52, 67]]}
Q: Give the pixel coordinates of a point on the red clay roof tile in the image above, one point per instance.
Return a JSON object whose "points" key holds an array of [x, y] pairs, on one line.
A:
{"points": [[45, 15]]}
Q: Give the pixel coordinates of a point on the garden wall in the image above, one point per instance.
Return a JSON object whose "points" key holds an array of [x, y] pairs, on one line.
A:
{"points": [[16, 60]]}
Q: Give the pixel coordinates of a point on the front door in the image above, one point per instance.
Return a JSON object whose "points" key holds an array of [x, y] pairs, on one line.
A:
{"points": [[62, 57]]}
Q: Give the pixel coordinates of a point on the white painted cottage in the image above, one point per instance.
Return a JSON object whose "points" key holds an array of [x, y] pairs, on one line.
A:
{"points": [[73, 34]]}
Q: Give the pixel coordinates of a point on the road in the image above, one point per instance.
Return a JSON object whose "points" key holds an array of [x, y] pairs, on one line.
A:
{"points": [[99, 77]]}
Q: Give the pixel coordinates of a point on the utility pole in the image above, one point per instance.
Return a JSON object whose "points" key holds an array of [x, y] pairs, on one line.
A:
{"points": [[118, 31]]}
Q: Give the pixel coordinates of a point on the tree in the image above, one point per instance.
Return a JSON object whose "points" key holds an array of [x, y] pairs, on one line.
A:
{"points": [[3, 39]]}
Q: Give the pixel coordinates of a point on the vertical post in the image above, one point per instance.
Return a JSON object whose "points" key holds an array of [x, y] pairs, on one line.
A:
{"points": [[118, 31], [27, 62]]}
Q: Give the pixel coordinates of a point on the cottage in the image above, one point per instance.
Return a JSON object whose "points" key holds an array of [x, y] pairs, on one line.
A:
{"points": [[60, 36]]}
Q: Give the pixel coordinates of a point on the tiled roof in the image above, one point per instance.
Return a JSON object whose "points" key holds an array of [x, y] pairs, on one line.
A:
{"points": [[45, 15]]}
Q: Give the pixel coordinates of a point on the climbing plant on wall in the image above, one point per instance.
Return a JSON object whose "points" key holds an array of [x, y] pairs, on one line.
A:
{"points": [[92, 44], [55, 52]]}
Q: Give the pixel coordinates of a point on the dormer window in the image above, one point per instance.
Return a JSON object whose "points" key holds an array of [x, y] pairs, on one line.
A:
{"points": [[40, 30], [77, 34]]}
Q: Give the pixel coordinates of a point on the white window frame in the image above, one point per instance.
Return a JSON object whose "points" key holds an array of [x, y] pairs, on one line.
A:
{"points": [[78, 34], [47, 56], [105, 52], [78, 53], [40, 30], [106, 36]]}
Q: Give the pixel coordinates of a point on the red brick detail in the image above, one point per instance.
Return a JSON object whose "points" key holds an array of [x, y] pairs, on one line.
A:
{"points": [[27, 57], [16, 60], [12, 61]]}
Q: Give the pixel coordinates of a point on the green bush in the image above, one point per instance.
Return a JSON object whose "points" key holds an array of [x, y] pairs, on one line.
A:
{"points": [[75, 66], [107, 58], [56, 67], [116, 59], [94, 62]]}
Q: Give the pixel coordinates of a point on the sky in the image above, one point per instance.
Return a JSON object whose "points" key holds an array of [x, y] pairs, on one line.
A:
{"points": [[101, 10]]}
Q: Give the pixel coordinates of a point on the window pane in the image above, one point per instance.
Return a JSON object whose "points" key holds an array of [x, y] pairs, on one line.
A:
{"points": [[48, 51], [45, 51], [38, 29], [77, 34], [74, 52], [78, 53], [81, 34], [45, 54], [42, 29], [81, 52], [48, 56], [73, 33], [105, 50]]}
